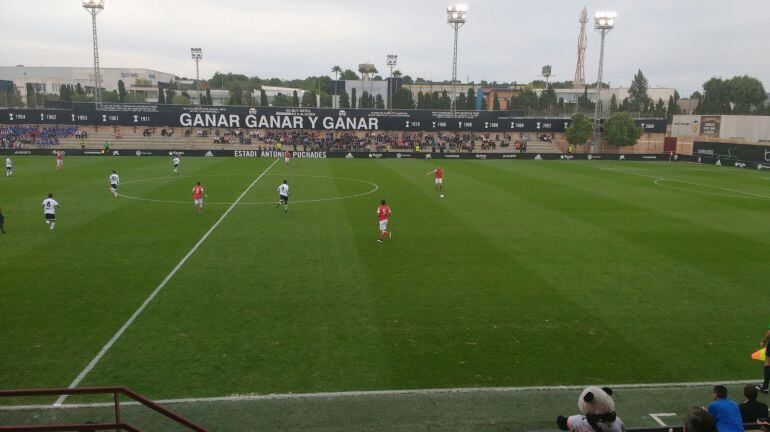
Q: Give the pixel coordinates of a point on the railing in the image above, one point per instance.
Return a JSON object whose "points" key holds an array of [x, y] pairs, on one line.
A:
{"points": [[746, 426], [117, 425]]}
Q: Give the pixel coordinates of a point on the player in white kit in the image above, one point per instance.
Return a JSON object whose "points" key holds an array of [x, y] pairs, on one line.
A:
{"points": [[49, 210], [283, 196], [114, 183], [176, 164], [8, 167]]}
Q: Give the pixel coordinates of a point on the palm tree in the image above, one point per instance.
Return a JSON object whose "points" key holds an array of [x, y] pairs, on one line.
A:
{"points": [[336, 70], [397, 73]]}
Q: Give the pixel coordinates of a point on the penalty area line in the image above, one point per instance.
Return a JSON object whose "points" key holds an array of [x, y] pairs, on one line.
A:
{"points": [[81, 376], [371, 393]]}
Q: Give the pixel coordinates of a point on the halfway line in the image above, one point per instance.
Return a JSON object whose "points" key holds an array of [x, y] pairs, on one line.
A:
{"points": [[163, 283]]}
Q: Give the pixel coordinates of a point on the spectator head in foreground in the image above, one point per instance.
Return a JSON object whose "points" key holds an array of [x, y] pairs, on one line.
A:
{"points": [[597, 413], [699, 420], [718, 392]]}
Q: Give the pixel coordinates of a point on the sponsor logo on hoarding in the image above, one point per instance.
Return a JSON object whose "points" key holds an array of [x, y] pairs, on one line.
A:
{"points": [[427, 156], [740, 164], [92, 152], [509, 156], [567, 157], [452, 156], [252, 111], [141, 153], [622, 157], [209, 154], [175, 153], [480, 156], [375, 155], [138, 152], [349, 156], [22, 152], [649, 157], [116, 152], [719, 162], [761, 167], [538, 157]]}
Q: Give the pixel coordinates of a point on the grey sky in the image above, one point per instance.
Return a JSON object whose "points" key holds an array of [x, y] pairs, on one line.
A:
{"points": [[678, 43]]}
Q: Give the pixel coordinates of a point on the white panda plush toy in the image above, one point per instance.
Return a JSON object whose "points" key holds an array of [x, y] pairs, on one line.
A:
{"points": [[597, 413]]}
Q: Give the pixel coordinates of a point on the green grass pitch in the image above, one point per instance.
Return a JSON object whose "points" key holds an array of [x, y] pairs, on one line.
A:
{"points": [[526, 273]]}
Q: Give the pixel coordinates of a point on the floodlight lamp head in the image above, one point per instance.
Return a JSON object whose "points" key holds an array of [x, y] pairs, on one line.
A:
{"points": [[197, 53], [604, 20], [392, 59], [456, 14], [93, 5]]}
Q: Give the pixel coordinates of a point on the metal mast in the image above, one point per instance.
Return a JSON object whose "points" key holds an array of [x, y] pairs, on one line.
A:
{"points": [[455, 18], [604, 22], [580, 70], [93, 7]]}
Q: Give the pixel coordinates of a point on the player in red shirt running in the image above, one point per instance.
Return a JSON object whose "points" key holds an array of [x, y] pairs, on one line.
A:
{"points": [[438, 176], [286, 158], [383, 213], [59, 160], [198, 193]]}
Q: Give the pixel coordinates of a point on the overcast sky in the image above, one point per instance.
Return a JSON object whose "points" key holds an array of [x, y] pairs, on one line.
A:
{"points": [[676, 43]]}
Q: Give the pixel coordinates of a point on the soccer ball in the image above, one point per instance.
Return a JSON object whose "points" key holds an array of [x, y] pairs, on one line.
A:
{"points": [[442, 195]]}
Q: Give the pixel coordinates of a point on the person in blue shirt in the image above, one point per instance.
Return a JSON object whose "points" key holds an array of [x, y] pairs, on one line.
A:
{"points": [[726, 413]]}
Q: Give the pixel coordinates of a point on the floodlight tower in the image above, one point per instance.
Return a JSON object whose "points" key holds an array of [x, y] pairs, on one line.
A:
{"points": [[391, 61], [580, 70], [197, 56], [93, 7], [455, 17], [604, 22]]}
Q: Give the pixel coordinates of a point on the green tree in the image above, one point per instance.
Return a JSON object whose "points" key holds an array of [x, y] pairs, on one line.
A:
{"points": [[470, 100], [161, 95], [660, 108], [364, 101], [121, 91], [747, 94], [427, 101], [344, 100], [496, 103], [548, 98], [353, 99], [308, 99], [209, 101], [12, 97], [170, 93], [579, 130], [461, 102], [110, 96], [584, 102], [716, 97], [379, 102], [263, 98], [349, 75], [420, 100], [672, 109], [483, 104], [281, 100], [181, 100], [637, 93], [31, 96], [446, 103], [621, 130], [403, 99], [613, 104], [65, 92]]}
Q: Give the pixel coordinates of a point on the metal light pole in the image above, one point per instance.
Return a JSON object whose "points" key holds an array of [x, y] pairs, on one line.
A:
{"points": [[392, 59], [197, 55], [455, 17], [93, 7], [604, 22]]}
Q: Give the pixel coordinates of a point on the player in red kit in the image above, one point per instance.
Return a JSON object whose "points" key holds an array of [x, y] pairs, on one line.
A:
{"points": [[383, 213], [198, 193], [286, 158], [438, 179], [59, 160]]}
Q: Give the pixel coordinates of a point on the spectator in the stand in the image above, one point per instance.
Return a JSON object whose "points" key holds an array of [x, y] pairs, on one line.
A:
{"points": [[766, 345], [751, 408], [726, 413], [699, 420]]}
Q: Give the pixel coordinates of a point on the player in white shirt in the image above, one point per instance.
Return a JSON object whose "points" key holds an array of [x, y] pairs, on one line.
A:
{"points": [[8, 167], [114, 183], [283, 196], [176, 164], [49, 210]]}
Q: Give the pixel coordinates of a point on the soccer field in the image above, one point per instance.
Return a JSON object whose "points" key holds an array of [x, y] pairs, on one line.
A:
{"points": [[526, 273]]}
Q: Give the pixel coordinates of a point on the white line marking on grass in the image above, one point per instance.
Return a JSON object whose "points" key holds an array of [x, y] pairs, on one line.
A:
{"points": [[160, 286], [657, 417], [374, 189], [276, 396]]}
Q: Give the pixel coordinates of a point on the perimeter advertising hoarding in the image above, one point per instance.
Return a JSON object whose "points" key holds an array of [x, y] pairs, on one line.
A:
{"points": [[320, 119]]}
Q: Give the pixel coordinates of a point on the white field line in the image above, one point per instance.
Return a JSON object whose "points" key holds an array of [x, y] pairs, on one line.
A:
{"points": [[659, 179], [160, 286], [330, 395], [374, 189]]}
